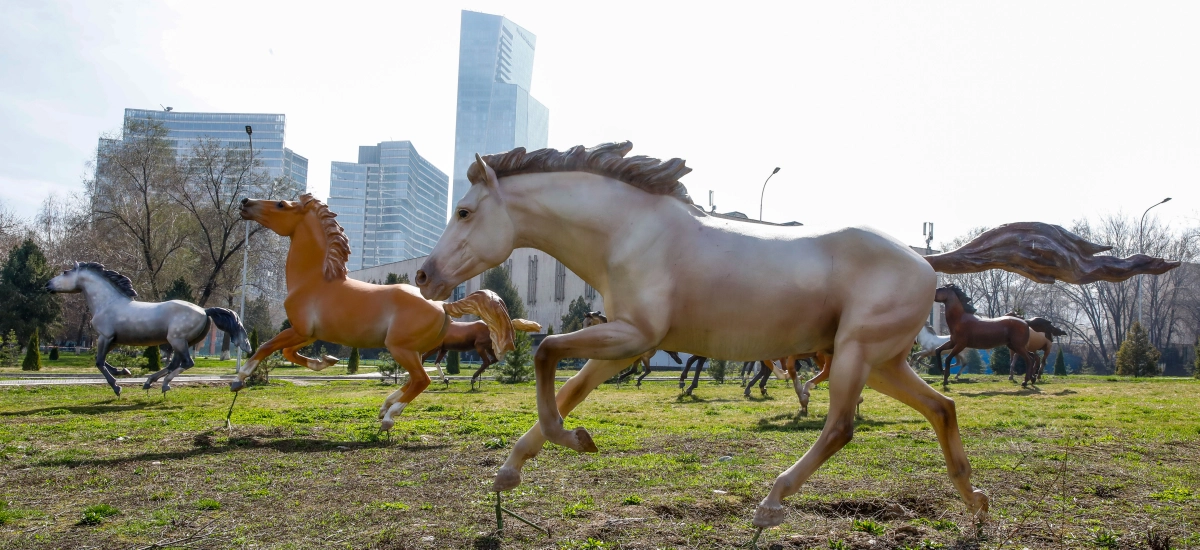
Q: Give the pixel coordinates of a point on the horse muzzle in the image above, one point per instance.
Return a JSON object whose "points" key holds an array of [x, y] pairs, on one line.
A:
{"points": [[432, 286]]}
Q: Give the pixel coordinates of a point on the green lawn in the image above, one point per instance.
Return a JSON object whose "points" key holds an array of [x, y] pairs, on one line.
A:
{"points": [[70, 363], [1080, 463]]}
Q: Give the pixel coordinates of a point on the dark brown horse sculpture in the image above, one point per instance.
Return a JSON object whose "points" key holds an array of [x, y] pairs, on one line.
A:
{"points": [[969, 331], [474, 337], [1041, 337]]}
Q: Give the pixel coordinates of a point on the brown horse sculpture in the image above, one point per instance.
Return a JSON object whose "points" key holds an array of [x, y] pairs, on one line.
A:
{"points": [[969, 331], [1041, 338], [475, 336], [323, 304]]}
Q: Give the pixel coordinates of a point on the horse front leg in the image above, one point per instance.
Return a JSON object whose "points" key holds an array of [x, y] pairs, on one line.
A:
{"points": [[183, 353], [285, 339], [572, 393], [102, 345], [696, 377], [485, 354], [613, 340], [292, 353], [418, 380]]}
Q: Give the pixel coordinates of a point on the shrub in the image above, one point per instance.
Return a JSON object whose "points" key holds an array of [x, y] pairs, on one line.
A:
{"points": [[352, 364], [516, 367], [54, 353], [1060, 366], [33, 357], [452, 366], [95, 514], [1137, 356], [12, 349], [717, 369], [153, 359], [387, 365]]}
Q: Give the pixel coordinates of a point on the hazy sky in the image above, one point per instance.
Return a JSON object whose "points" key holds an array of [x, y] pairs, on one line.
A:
{"points": [[885, 114]]}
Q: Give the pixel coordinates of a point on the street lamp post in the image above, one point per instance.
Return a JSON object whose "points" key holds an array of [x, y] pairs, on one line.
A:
{"points": [[764, 193], [245, 248], [1142, 250]]}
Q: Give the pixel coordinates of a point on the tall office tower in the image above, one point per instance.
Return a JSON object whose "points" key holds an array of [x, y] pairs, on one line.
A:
{"points": [[495, 111], [184, 129], [392, 203]]}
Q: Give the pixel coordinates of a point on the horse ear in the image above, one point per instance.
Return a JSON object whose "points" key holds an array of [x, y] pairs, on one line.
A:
{"points": [[489, 175]]}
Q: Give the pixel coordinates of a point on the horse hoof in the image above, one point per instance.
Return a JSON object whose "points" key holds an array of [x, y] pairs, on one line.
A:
{"points": [[681, 385], [584, 441], [979, 505], [146, 386], [386, 424], [236, 385], [117, 390], [506, 479], [769, 516], [166, 389]]}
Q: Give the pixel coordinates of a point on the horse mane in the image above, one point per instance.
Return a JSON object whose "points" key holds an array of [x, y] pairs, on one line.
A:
{"points": [[607, 159], [967, 304], [121, 282], [337, 248]]}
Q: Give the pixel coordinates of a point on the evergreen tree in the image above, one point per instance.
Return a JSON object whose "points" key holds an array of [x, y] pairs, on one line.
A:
{"points": [[1137, 356], [717, 369], [253, 340], [576, 312], [393, 279], [452, 360], [1000, 359], [11, 349], [54, 353], [516, 367], [499, 281], [1196, 362], [550, 330], [153, 359], [352, 364], [33, 357], [1060, 365], [27, 306], [974, 361], [179, 290]]}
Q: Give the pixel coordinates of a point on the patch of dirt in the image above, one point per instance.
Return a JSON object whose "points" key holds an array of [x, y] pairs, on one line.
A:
{"points": [[882, 509]]}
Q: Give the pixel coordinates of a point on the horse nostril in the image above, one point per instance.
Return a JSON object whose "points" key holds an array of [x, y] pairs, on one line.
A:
{"points": [[244, 201], [422, 278]]}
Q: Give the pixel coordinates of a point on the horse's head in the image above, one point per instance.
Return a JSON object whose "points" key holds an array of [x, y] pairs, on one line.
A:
{"points": [[282, 217], [67, 282], [480, 235], [943, 295], [593, 318]]}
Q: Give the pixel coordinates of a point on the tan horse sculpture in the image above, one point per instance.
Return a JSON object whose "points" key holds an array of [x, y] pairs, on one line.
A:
{"points": [[323, 304], [628, 228]]}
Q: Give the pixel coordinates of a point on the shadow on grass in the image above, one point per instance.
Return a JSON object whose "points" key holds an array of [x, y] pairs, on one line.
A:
{"points": [[1032, 390], [789, 422], [695, 400], [112, 406], [238, 443], [487, 542]]}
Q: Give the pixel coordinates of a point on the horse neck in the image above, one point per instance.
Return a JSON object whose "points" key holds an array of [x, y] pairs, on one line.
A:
{"points": [[955, 313], [578, 218], [99, 292], [306, 254]]}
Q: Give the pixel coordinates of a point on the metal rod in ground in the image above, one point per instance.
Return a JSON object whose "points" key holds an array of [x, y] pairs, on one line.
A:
{"points": [[754, 541], [229, 414], [499, 515], [500, 518]]}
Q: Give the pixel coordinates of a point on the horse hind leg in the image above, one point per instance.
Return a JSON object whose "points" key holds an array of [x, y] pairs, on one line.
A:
{"points": [[696, 377], [150, 380], [645, 373], [845, 385], [897, 380], [418, 380], [102, 346], [184, 356]]}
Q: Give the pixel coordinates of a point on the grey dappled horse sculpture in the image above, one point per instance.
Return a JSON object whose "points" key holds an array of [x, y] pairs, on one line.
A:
{"points": [[627, 227], [119, 319]]}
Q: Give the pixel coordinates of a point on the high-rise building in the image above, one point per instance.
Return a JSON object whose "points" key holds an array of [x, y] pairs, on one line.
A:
{"points": [[185, 129], [495, 111], [392, 203]]}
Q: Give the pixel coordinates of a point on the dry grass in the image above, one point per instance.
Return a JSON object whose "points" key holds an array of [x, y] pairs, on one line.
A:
{"points": [[1082, 463]]}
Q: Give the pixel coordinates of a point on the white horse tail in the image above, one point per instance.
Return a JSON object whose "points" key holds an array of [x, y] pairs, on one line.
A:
{"points": [[228, 321]]}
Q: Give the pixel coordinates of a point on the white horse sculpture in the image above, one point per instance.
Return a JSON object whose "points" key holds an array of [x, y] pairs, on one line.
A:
{"points": [[628, 228], [119, 319]]}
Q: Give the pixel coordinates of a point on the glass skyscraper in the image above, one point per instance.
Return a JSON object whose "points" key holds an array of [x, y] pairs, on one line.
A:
{"points": [[392, 203], [184, 129], [495, 111]]}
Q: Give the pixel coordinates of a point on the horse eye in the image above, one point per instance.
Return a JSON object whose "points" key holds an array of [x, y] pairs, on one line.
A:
{"points": [[280, 204], [463, 213]]}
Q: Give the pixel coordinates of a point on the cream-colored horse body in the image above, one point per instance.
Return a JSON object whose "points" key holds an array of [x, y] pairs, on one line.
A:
{"points": [[861, 293]]}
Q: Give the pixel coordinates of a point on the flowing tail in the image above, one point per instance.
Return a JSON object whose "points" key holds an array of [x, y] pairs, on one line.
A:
{"points": [[489, 307], [525, 325], [229, 322], [1045, 253], [1044, 326]]}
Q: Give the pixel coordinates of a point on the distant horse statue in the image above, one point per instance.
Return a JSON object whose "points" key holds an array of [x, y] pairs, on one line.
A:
{"points": [[120, 319], [929, 341], [969, 331], [474, 336], [323, 304], [1041, 338], [628, 228]]}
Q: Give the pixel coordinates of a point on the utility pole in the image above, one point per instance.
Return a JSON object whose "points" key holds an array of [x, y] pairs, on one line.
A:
{"points": [[245, 249]]}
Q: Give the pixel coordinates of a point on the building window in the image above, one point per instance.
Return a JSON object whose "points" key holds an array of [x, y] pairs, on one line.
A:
{"points": [[460, 292], [531, 296], [560, 281], [589, 293]]}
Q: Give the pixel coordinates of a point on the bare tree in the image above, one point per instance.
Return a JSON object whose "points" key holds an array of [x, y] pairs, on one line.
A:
{"points": [[216, 179], [131, 206], [13, 229]]}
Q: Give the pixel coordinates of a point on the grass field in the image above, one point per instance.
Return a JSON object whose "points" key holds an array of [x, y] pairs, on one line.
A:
{"points": [[1078, 463], [70, 363]]}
